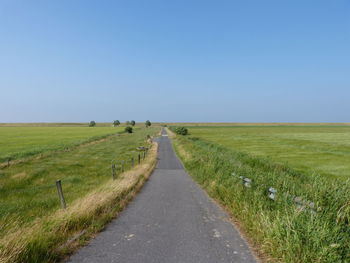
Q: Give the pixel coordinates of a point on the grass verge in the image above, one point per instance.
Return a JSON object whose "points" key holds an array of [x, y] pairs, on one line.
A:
{"points": [[281, 229], [52, 238]]}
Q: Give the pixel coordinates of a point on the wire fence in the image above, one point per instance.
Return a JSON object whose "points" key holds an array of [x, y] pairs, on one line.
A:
{"points": [[117, 165]]}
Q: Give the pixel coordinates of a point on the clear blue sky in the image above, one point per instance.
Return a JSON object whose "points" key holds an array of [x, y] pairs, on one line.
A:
{"points": [[234, 61]]}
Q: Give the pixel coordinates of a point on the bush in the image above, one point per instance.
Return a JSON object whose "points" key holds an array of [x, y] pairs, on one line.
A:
{"points": [[148, 123], [128, 129], [116, 123], [92, 124], [181, 130], [133, 123]]}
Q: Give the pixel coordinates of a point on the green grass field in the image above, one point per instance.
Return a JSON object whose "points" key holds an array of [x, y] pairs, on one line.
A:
{"points": [[324, 149], [19, 142], [28, 190], [307, 163]]}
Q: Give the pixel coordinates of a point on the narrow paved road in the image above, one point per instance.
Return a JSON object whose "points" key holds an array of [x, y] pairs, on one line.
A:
{"points": [[171, 220]]}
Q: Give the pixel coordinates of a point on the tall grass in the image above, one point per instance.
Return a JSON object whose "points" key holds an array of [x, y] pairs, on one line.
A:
{"points": [[281, 229]]}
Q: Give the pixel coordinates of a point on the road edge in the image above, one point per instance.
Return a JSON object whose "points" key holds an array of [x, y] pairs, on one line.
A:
{"points": [[255, 249]]}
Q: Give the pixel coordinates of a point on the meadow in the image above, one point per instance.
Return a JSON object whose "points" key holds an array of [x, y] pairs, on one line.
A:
{"points": [[20, 142], [309, 220], [29, 196], [323, 150]]}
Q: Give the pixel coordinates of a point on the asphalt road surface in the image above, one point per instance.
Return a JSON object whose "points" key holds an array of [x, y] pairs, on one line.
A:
{"points": [[172, 220]]}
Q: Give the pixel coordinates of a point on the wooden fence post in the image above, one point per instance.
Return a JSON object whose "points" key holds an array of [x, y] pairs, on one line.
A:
{"points": [[113, 171], [60, 193], [122, 167]]}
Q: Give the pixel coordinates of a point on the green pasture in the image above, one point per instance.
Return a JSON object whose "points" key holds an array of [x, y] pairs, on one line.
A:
{"points": [[323, 150], [19, 142], [28, 190]]}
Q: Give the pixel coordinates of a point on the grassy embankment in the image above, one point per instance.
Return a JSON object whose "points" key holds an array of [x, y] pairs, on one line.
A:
{"points": [[307, 162], [34, 228]]}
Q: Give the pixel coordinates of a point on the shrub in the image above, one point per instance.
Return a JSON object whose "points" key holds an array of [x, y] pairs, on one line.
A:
{"points": [[148, 123], [92, 124], [132, 123], [128, 129], [181, 130]]}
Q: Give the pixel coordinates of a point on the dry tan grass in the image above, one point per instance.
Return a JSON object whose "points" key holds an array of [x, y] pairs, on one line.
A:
{"points": [[180, 149], [170, 133], [183, 153], [56, 231], [19, 175]]}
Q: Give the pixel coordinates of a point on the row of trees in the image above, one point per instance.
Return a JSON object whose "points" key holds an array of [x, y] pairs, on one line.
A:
{"points": [[117, 123], [132, 123]]}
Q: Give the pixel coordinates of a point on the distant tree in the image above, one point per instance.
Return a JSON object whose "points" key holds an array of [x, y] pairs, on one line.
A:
{"points": [[116, 123], [148, 123], [128, 129], [132, 123], [127, 123], [92, 124]]}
